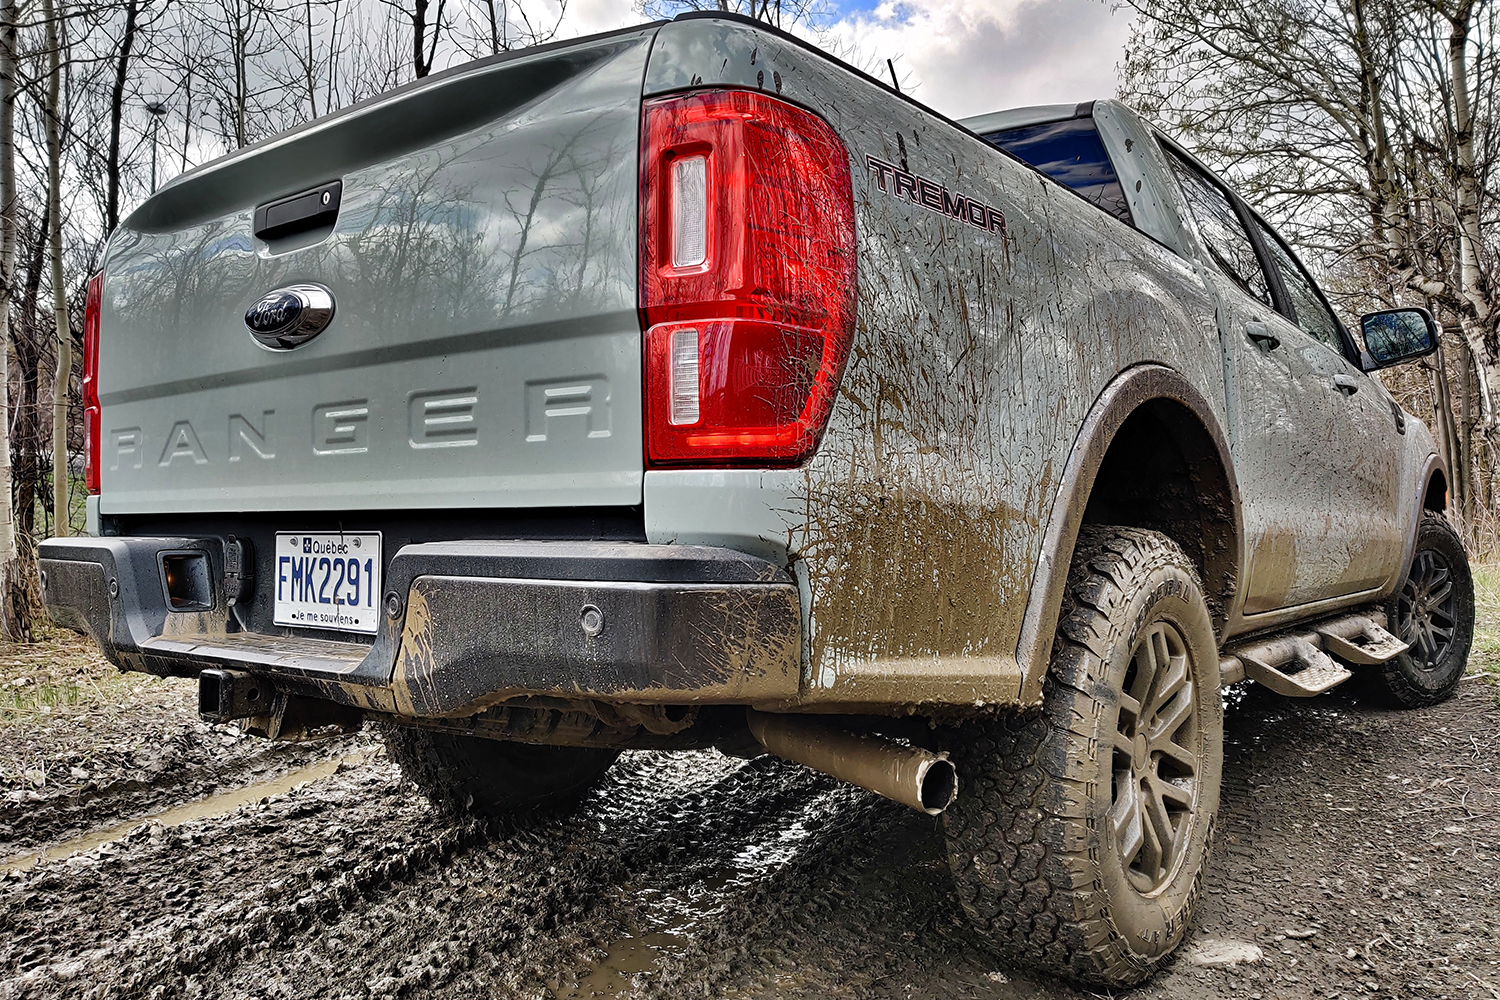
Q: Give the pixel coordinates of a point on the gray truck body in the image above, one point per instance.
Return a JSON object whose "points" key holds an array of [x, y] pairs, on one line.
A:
{"points": [[1006, 385]]}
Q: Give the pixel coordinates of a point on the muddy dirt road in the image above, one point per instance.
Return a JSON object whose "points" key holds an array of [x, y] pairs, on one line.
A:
{"points": [[1358, 849]]}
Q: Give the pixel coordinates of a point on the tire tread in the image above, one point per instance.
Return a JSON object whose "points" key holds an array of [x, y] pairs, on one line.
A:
{"points": [[1022, 859]]}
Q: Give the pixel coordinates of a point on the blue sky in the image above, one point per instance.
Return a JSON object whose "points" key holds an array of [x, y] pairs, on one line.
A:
{"points": [[962, 57]]}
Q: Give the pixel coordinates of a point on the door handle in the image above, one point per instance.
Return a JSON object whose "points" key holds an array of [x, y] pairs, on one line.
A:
{"points": [[1262, 336], [1345, 384]]}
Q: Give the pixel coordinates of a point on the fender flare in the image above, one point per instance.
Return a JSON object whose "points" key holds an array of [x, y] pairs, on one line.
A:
{"points": [[1125, 394], [1432, 467]]}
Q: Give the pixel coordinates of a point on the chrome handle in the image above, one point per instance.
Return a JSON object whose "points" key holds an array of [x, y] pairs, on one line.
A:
{"points": [[1345, 384]]}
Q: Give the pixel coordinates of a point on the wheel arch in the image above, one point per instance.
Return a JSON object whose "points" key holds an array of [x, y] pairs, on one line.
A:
{"points": [[1433, 496], [1193, 497]]}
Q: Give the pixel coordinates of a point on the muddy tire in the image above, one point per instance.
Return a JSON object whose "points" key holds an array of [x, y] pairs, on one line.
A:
{"points": [[1081, 830], [1433, 610], [493, 777]]}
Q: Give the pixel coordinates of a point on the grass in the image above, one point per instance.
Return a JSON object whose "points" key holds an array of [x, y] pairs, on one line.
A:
{"points": [[60, 703], [1484, 660], [60, 669]]}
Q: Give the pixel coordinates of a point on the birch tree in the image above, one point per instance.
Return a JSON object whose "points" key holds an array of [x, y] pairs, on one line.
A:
{"points": [[15, 605]]}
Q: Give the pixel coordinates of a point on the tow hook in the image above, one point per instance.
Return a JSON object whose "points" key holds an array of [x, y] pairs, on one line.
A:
{"points": [[264, 710], [226, 695]]}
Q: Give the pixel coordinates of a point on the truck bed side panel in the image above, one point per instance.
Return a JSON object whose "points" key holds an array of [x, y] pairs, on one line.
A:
{"points": [[917, 529]]}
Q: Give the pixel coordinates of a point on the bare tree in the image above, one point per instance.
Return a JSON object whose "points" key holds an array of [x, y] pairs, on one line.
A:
{"points": [[116, 114], [61, 326], [1357, 125], [15, 616], [781, 13]]}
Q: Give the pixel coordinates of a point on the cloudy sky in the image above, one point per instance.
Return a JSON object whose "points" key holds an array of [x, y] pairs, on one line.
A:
{"points": [[961, 57]]}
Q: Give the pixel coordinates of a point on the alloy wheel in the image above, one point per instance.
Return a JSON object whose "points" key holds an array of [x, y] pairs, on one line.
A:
{"points": [[1425, 615], [1156, 759]]}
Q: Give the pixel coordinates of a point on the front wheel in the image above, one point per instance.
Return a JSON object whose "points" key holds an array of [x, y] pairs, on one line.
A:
{"points": [[1079, 836], [1433, 612]]}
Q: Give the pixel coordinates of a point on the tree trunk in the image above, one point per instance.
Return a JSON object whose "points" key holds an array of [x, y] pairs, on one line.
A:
{"points": [[15, 596], [1465, 472], [116, 113], [62, 329], [312, 93], [1471, 275], [1447, 438], [418, 31], [27, 444]]}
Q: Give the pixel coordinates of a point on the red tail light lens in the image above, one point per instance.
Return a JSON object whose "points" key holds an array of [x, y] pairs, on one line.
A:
{"points": [[91, 383], [747, 278]]}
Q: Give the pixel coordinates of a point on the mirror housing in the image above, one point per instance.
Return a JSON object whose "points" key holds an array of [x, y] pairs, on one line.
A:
{"points": [[1395, 336]]}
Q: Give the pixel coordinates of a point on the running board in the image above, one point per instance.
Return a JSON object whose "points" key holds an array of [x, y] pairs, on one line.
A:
{"points": [[1358, 640], [1298, 665]]}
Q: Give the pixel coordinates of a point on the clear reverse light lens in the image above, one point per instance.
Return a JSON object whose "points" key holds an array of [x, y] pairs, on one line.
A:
{"points": [[684, 366], [689, 212]]}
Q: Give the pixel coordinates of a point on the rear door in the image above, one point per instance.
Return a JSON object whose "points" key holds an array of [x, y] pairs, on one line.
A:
{"points": [[1284, 435], [1366, 449]]}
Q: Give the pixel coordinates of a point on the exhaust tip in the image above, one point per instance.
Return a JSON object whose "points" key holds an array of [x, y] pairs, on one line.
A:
{"points": [[938, 785]]}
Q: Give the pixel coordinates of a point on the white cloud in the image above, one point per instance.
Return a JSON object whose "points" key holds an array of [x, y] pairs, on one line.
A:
{"points": [[968, 57], [587, 17], [960, 57]]}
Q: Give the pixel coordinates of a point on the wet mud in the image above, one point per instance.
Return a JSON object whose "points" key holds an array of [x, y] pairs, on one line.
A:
{"points": [[1358, 849]]}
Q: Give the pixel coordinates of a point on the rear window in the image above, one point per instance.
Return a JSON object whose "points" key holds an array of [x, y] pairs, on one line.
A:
{"points": [[1071, 153]]}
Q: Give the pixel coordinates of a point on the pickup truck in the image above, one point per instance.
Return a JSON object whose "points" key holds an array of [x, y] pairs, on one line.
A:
{"points": [[683, 387]]}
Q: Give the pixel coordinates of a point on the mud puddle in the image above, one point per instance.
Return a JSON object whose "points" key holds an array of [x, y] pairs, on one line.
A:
{"points": [[211, 807]]}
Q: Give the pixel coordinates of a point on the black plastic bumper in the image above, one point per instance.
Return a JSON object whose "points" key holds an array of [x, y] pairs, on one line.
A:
{"points": [[474, 623]]}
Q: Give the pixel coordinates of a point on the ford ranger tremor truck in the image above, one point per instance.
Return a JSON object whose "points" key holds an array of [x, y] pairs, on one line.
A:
{"points": [[684, 387]]}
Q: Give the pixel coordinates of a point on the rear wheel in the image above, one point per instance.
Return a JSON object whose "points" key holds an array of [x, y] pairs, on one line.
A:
{"points": [[1433, 612], [493, 777], [1080, 832]]}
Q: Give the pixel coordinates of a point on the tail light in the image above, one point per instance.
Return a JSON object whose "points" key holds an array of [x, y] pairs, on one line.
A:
{"points": [[747, 278], [91, 383]]}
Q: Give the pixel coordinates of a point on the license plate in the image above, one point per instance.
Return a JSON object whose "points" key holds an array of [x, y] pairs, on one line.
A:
{"points": [[328, 579]]}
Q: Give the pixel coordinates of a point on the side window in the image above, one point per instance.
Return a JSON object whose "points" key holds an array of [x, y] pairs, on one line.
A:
{"points": [[1072, 154], [1221, 229], [1312, 315]]}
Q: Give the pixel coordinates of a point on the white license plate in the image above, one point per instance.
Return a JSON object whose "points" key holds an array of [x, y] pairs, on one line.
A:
{"points": [[328, 579]]}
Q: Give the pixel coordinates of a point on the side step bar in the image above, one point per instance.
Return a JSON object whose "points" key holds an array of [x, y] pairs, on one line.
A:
{"points": [[1298, 664]]}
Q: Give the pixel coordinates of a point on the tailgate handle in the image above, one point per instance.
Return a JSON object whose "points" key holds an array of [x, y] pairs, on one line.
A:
{"points": [[299, 212]]}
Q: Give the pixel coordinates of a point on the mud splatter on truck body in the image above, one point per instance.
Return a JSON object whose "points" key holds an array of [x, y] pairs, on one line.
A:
{"points": [[992, 367]]}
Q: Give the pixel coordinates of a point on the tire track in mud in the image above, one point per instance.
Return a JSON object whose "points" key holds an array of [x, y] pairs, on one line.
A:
{"points": [[699, 875], [704, 866], [219, 907], [517, 913], [183, 769]]}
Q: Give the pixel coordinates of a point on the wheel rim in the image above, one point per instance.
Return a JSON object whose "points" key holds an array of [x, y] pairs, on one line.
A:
{"points": [[1424, 609], [1155, 760]]}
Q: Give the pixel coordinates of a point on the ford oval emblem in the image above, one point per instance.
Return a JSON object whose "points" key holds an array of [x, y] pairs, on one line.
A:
{"points": [[289, 317]]}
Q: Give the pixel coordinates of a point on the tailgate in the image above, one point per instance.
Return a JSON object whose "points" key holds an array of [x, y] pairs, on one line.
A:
{"points": [[484, 349]]}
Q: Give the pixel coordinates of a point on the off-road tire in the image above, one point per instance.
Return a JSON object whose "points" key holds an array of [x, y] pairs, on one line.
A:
{"points": [[493, 777], [1433, 610], [1032, 837]]}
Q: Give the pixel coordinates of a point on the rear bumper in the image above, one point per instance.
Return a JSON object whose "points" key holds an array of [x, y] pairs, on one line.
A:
{"points": [[469, 624]]}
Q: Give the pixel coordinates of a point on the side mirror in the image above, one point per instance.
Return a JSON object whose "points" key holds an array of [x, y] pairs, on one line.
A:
{"points": [[1393, 336]]}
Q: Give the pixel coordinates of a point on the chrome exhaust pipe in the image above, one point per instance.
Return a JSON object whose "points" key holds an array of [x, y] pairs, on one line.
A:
{"points": [[908, 775]]}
